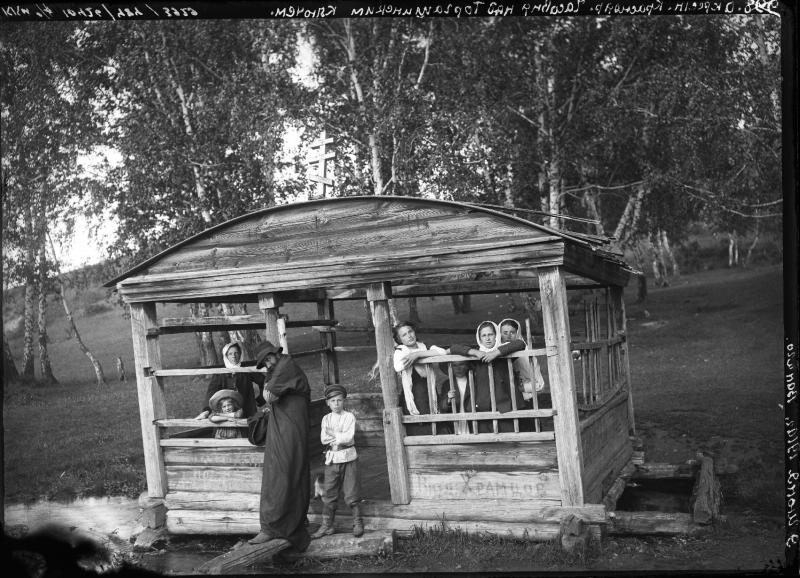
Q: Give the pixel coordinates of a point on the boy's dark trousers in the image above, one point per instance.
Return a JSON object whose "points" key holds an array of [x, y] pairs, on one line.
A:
{"points": [[345, 477]]}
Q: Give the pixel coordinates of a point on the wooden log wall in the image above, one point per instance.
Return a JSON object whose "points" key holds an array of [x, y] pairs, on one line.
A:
{"points": [[607, 447]]}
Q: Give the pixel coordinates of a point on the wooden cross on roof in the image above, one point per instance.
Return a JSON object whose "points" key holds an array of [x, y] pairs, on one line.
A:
{"points": [[322, 156]]}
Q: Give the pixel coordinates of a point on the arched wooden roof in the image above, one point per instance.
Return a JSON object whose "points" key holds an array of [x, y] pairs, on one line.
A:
{"points": [[346, 243]]}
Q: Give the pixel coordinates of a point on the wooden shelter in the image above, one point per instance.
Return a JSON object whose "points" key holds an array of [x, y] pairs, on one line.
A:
{"points": [[523, 483]]}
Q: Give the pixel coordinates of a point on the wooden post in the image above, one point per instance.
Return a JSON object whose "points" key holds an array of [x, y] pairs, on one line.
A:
{"points": [[269, 303], [284, 343], [147, 357], [619, 303], [327, 338], [378, 294], [555, 315]]}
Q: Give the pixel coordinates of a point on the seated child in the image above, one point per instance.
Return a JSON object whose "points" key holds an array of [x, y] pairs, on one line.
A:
{"points": [[226, 404], [341, 462]]}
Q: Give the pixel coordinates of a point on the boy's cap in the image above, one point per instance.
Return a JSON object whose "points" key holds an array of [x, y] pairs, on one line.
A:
{"points": [[334, 390], [264, 348], [222, 394]]}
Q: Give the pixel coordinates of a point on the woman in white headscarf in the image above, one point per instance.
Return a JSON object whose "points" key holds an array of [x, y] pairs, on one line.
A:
{"points": [[488, 350], [247, 384]]}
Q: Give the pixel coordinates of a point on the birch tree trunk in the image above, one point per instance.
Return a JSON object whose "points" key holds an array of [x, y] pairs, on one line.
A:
{"points": [[44, 359], [98, 369], [10, 372], [752, 246], [30, 296]]}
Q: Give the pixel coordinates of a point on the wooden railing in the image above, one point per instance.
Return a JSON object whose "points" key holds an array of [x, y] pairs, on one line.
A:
{"points": [[599, 371], [474, 416]]}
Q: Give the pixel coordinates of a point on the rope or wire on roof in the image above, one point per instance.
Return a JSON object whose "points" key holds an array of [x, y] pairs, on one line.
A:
{"points": [[535, 212]]}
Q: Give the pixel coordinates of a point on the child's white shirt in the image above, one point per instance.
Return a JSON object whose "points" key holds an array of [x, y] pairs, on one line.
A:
{"points": [[401, 353], [339, 429]]}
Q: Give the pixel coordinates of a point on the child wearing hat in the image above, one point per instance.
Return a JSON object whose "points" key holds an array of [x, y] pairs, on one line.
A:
{"points": [[341, 462], [226, 404]]}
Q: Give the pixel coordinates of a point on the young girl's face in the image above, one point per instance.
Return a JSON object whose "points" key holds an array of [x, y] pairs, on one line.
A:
{"points": [[407, 336], [336, 403], [507, 333], [227, 405], [233, 354], [487, 336]]}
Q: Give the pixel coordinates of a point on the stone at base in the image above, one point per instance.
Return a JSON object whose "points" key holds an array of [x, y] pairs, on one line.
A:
{"points": [[151, 539]]}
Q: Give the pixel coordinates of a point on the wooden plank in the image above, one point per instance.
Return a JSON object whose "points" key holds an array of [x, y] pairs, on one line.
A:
{"points": [[245, 555], [396, 462], [600, 478], [187, 456], [617, 296], [588, 263], [430, 484], [555, 316], [344, 545], [619, 485], [205, 371], [352, 348], [481, 438], [211, 478], [600, 413], [604, 437], [221, 285], [341, 239], [191, 422], [544, 511], [520, 454], [520, 413], [213, 500], [706, 495], [205, 443], [152, 405], [220, 522], [649, 523]]}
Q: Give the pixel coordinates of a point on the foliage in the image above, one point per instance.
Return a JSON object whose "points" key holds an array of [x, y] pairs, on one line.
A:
{"points": [[197, 112]]}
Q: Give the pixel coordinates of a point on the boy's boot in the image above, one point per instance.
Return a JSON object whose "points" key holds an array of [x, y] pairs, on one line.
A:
{"points": [[358, 522], [326, 529]]}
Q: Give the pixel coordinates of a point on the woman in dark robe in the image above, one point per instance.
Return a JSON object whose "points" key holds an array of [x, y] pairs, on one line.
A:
{"points": [[286, 480], [488, 350]]}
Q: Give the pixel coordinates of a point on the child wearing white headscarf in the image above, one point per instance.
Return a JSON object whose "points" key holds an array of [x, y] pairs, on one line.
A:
{"points": [[526, 367]]}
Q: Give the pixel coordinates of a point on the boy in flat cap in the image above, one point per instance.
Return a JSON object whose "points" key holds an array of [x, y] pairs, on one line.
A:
{"points": [[341, 462]]}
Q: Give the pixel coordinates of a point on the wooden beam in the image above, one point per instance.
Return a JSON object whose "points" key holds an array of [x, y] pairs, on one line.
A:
{"points": [[344, 545], [706, 494], [480, 438], [269, 303], [618, 299], [378, 294], [246, 555], [205, 371], [555, 315], [649, 523], [619, 485], [172, 325], [152, 405], [439, 417], [222, 284], [587, 262]]}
